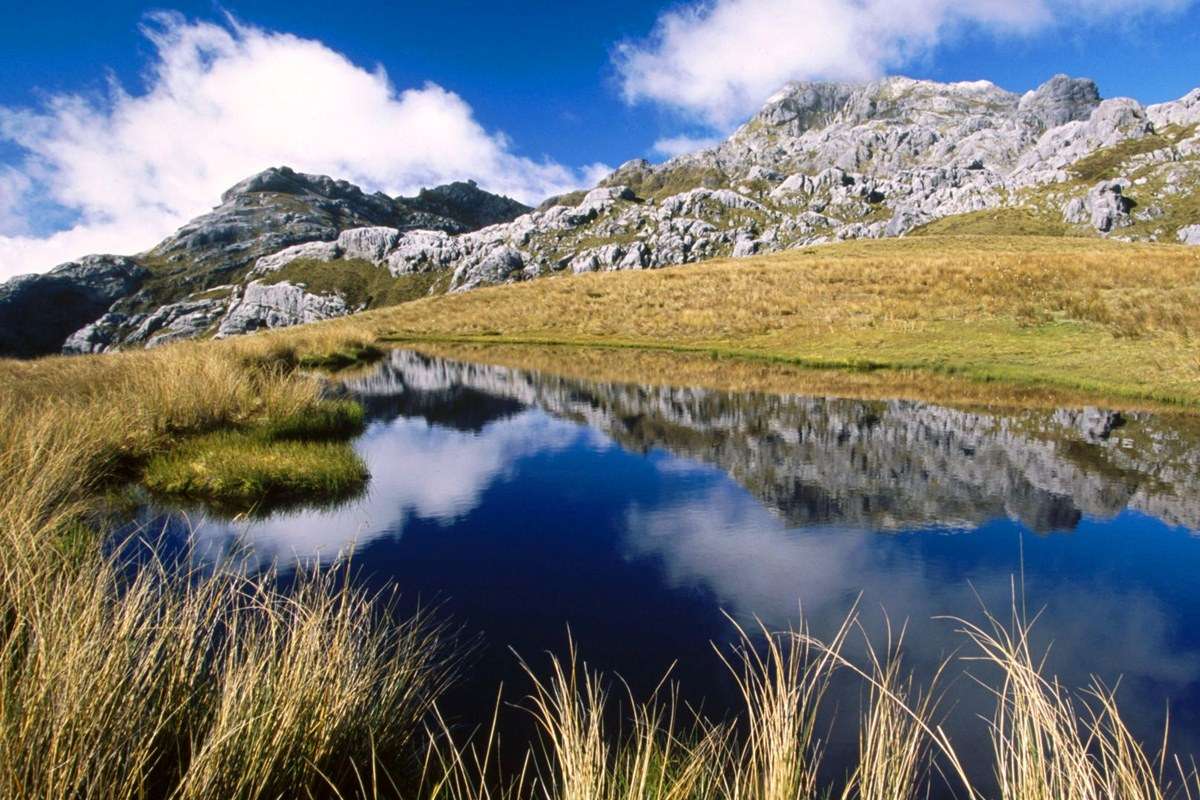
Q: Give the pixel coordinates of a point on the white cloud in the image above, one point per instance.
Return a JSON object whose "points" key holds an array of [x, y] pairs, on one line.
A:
{"points": [[680, 145], [720, 59], [221, 103]]}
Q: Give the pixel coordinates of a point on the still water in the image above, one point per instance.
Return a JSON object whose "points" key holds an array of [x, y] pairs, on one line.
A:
{"points": [[641, 519]]}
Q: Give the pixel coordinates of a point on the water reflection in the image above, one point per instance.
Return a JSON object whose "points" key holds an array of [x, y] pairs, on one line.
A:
{"points": [[636, 516], [885, 465], [418, 470]]}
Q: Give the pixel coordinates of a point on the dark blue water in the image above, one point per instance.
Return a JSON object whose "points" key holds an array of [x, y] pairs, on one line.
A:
{"points": [[525, 506]]}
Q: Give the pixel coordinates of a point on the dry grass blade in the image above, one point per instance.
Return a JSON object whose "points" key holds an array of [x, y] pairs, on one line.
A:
{"points": [[1048, 743], [122, 683], [893, 745], [782, 686]]}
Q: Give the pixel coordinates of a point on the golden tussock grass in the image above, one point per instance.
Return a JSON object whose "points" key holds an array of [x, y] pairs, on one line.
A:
{"points": [[1103, 318], [156, 682], [1047, 743]]}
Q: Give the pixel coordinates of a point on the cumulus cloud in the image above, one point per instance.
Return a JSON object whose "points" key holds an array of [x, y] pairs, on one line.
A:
{"points": [[222, 102], [720, 59], [13, 187], [672, 146]]}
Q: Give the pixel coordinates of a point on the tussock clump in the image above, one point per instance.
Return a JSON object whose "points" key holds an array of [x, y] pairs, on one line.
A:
{"points": [[132, 683], [238, 471]]}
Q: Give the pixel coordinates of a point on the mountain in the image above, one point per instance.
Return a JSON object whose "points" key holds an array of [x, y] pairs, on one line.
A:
{"points": [[820, 162], [182, 287]]}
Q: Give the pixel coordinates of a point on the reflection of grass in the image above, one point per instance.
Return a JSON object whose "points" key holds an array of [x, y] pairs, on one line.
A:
{"points": [[749, 372], [354, 354]]}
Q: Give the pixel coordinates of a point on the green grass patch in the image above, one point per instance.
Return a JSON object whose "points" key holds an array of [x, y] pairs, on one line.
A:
{"points": [[569, 199], [662, 183], [361, 283], [1022, 221], [332, 419], [242, 470], [1107, 163], [217, 293], [298, 458], [1176, 210]]}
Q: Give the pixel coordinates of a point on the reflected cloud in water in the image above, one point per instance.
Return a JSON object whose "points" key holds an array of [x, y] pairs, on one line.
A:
{"points": [[417, 470], [1091, 620]]}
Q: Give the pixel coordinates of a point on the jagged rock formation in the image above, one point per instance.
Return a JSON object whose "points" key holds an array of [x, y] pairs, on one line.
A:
{"points": [[184, 286], [276, 306], [820, 162], [887, 465], [827, 161]]}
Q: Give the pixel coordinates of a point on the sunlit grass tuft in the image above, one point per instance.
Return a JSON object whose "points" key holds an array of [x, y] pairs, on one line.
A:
{"points": [[243, 469]]}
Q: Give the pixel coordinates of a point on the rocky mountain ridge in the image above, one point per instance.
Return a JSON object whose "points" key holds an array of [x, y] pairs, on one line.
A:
{"points": [[820, 162], [181, 288]]}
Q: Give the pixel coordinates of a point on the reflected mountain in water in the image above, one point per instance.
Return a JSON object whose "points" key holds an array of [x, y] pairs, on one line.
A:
{"points": [[884, 465]]}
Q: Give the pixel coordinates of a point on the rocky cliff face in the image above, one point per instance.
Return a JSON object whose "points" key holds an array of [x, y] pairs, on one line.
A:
{"points": [[823, 162], [38, 312], [820, 162], [886, 465]]}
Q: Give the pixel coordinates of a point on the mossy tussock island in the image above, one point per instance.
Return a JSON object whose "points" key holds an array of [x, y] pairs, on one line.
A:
{"points": [[301, 457]]}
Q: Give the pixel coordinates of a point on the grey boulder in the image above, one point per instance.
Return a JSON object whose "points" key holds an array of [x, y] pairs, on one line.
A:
{"points": [[278, 305], [1190, 235]]}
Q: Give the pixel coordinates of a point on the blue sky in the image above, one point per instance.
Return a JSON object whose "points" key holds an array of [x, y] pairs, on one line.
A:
{"points": [[536, 96]]}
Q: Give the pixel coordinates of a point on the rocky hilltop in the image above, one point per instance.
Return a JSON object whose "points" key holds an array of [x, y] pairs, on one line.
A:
{"points": [[820, 162], [185, 286]]}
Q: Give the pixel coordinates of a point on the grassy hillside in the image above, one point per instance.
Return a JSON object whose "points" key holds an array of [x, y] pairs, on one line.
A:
{"points": [[1112, 319], [213, 685]]}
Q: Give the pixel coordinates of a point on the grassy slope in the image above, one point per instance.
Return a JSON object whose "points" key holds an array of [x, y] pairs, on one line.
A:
{"points": [[1108, 318], [360, 282], [112, 688]]}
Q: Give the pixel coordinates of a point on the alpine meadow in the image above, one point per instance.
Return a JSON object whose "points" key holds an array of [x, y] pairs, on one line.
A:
{"points": [[850, 450]]}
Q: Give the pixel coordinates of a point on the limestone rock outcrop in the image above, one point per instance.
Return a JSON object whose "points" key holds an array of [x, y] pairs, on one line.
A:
{"points": [[278, 305], [104, 302]]}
